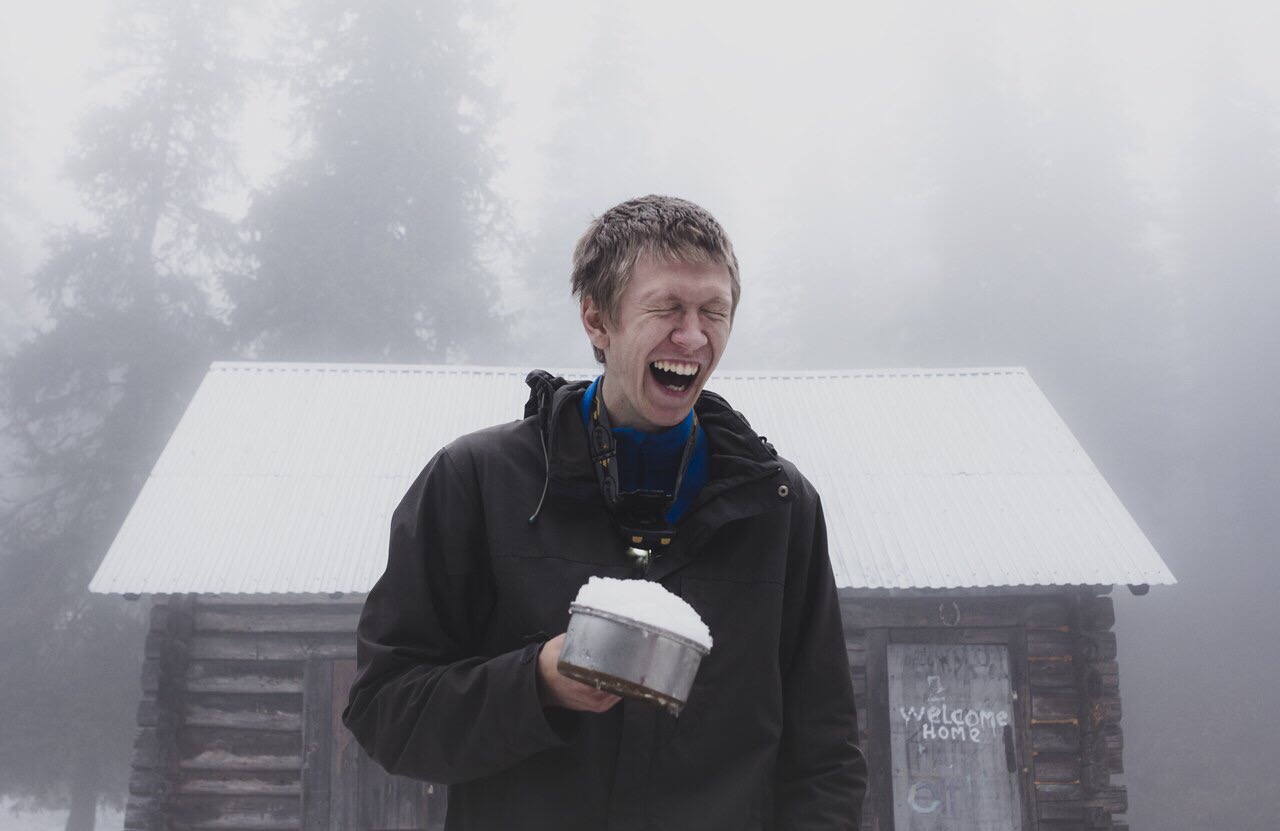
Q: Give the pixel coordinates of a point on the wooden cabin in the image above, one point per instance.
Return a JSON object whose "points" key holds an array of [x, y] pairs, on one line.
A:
{"points": [[974, 543]]}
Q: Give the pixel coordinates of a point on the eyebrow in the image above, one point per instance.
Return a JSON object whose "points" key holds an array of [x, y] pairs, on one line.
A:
{"points": [[668, 298]]}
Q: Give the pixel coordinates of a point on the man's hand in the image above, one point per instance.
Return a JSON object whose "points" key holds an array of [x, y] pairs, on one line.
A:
{"points": [[555, 690]]}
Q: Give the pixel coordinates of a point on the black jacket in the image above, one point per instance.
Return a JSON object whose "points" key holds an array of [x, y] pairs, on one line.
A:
{"points": [[447, 642]]}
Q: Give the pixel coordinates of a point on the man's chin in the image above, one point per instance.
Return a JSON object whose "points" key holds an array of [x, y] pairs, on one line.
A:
{"points": [[667, 408]]}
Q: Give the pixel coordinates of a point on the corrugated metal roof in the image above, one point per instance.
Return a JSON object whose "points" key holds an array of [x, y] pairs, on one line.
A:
{"points": [[281, 478]]}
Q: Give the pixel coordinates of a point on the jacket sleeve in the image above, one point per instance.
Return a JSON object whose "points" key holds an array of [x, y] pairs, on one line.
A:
{"points": [[821, 773], [426, 702]]}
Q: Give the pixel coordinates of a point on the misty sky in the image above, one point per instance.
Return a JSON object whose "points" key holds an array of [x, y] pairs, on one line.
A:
{"points": [[774, 122]]}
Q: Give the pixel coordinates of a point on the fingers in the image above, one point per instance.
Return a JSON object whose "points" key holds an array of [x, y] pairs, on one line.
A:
{"points": [[555, 690]]}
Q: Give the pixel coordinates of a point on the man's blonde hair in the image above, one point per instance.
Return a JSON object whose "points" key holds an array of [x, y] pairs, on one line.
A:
{"points": [[660, 228]]}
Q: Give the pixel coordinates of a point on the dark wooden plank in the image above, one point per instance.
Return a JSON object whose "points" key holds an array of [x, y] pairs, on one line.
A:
{"points": [[879, 801], [344, 764], [317, 746], [1018, 658]]}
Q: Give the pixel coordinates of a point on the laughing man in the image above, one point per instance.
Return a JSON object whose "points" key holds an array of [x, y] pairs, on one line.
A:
{"points": [[457, 645]]}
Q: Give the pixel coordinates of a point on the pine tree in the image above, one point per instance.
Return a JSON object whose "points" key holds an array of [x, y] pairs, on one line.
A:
{"points": [[372, 246], [91, 397], [599, 155]]}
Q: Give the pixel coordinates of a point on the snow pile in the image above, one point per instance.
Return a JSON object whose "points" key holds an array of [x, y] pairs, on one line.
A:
{"points": [[646, 602]]}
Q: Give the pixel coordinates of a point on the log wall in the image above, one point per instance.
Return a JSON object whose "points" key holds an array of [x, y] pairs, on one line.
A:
{"points": [[221, 723], [226, 685], [1066, 649]]}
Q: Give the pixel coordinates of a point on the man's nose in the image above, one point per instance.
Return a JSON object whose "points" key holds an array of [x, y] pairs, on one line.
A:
{"points": [[689, 334]]}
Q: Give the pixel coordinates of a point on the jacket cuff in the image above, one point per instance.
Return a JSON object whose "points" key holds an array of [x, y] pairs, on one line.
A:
{"points": [[540, 727]]}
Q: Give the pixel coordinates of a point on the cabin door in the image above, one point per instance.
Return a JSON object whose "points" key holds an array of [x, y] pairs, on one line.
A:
{"points": [[344, 789], [953, 736]]}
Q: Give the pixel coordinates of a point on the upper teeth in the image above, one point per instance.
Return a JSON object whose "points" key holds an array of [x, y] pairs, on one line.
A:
{"points": [[677, 367]]}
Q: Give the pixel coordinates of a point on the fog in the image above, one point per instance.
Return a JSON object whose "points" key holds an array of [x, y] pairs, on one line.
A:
{"points": [[1089, 190]]}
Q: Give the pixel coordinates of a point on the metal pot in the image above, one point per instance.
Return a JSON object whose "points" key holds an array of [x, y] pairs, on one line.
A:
{"points": [[629, 658]]}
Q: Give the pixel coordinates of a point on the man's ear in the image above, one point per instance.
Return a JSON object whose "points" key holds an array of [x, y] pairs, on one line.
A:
{"points": [[595, 323]]}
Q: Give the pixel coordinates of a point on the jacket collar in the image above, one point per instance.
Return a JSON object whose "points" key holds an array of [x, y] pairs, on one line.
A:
{"points": [[738, 454], [742, 464]]}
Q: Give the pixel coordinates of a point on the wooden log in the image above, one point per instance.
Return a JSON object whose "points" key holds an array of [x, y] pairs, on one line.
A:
{"points": [[146, 748], [215, 748], [348, 599], [1051, 672], [272, 647], [1113, 742], [244, 719], [1097, 818], [1048, 643], [1098, 615], [148, 712], [1095, 777], [1114, 799], [1055, 738], [1055, 707], [140, 813], [143, 782], [1060, 811], [268, 619], [1056, 767], [1059, 791], [241, 783], [244, 676], [262, 813], [150, 676], [1104, 712], [954, 610], [1100, 646]]}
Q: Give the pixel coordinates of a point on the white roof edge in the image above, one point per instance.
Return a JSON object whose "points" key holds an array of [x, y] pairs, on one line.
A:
{"points": [[461, 369]]}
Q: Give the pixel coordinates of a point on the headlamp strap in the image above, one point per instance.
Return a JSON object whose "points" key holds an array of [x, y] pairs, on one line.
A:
{"points": [[639, 515]]}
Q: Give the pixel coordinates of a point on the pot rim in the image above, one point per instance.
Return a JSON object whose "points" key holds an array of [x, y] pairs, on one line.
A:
{"points": [[575, 608]]}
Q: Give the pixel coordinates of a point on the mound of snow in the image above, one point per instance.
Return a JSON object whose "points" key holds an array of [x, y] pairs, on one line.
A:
{"points": [[646, 602]]}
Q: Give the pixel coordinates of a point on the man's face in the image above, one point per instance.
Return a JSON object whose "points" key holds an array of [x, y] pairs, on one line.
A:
{"points": [[671, 328]]}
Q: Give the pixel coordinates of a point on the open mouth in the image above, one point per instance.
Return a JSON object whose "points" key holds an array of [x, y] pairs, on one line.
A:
{"points": [[674, 375]]}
